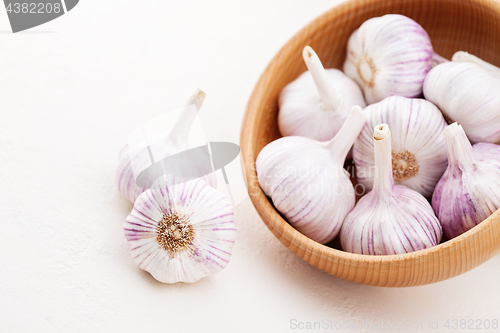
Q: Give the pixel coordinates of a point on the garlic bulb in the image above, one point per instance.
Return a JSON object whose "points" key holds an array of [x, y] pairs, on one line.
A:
{"points": [[306, 180], [389, 55], [176, 142], [391, 219], [318, 102], [181, 233], [418, 147], [469, 190], [467, 94]]}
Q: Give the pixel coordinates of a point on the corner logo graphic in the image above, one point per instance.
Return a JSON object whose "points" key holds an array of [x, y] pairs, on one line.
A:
{"points": [[28, 14]]}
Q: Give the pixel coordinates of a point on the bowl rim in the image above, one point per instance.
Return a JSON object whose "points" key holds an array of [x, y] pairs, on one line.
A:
{"points": [[279, 226]]}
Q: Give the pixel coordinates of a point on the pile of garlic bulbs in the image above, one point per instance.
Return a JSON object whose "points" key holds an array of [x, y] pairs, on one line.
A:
{"points": [[417, 174]]}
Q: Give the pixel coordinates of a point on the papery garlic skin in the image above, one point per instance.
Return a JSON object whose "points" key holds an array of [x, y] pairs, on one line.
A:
{"points": [[389, 56], [467, 94], [125, 176], [461, 56], [469, 191], [206, 223], [418, 146], [175, 143], [306, 181], [318, 102], [391, 219]]}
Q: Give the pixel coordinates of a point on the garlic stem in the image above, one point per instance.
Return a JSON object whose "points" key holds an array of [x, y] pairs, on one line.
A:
{"points": [[448, 130], [197, 99], [462, 56], [383, 182], [348, 133], [459, 147], [327, 93], [180, 132], [437, 59]]}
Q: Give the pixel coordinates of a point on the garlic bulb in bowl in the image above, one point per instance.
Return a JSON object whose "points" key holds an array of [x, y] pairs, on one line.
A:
{"points": [[469, 190], [306, 181], [390, 219], [181, 233], [389, 56], [317, 103], [468, 94], [418, 146]]}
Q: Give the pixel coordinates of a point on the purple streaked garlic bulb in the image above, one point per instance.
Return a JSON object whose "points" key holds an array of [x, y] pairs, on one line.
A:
{"points": [[469, 190], [389, 56], [318, 102], [306, 181], [176, 142], [390, 219], [468, 94], [418, 146], [181, 233]]}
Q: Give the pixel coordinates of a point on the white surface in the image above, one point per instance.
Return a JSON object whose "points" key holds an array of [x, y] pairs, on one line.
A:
{"points": [[69, 99]]}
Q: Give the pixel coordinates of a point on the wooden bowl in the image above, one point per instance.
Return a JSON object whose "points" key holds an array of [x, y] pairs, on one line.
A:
{"points": [[472, 26]]}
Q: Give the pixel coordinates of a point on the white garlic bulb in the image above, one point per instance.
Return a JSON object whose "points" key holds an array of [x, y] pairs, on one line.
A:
{"points": [[391, 219], [318, 102], [176, 142], [389, 55], [181, 233], [469, 190], [468, 94], [306, 181], [418, 146]]}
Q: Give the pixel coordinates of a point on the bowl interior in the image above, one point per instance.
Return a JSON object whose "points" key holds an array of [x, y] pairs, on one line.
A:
{"points": [[472, 26]]}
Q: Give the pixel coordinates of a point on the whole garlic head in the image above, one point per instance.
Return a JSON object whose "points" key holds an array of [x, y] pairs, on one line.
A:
{"points": [[469, 190], [176, 142], [390, 219], [418, 146], [389, 55], [306, 181], [318, 102], [181, 233], [468, 94]]}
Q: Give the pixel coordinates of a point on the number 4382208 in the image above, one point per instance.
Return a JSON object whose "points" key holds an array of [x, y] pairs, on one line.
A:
{"points": [[34, 8], [471, 324]]}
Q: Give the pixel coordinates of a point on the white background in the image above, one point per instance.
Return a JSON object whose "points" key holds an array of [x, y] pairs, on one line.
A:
{"points": [[70, 93]]}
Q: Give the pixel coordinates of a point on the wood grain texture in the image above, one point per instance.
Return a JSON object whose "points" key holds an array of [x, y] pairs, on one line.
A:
{"points": [[472, 26]]}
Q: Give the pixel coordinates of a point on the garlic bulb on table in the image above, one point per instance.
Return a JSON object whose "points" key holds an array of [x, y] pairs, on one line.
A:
{"points": [[306, 181], [389, 55], [181, 233], [318, 102], [468, 94], [176, 142], [418, 146], [391, 219], [469, 190]]}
